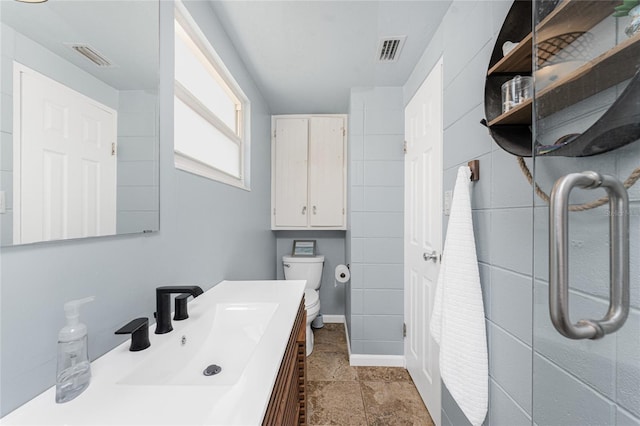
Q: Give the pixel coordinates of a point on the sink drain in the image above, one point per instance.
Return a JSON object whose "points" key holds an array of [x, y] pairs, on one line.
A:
{"points": [[211, 370]]}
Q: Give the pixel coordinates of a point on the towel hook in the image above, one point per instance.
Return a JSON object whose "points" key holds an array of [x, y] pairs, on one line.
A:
{"points": [[474, 166]]}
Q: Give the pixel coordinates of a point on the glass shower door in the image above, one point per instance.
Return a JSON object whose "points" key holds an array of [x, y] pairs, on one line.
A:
{"points": [[586, 117]]}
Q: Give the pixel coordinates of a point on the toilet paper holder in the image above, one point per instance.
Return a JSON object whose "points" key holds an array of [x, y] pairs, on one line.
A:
{"points": [[342, 274]]}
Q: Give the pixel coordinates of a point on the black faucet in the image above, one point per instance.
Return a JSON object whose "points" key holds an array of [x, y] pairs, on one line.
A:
{"points": [[139, 330], [163, 304]]}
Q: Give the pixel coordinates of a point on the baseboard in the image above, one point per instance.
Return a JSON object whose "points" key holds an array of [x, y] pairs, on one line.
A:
{"points": [[333, 319], [361, 360]]}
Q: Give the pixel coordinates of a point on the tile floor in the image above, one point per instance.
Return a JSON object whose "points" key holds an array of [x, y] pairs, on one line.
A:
{"points": [[338, 394]]}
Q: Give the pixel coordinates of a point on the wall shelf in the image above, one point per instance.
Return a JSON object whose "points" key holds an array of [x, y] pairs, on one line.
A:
{"points": [[509, 129]]}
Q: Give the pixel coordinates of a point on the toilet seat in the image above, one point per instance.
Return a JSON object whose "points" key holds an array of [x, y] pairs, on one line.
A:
{"points": [[311, 298]]}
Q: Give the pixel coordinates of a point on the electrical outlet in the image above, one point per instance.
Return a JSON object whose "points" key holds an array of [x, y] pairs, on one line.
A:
{"points": [[448, 195]]}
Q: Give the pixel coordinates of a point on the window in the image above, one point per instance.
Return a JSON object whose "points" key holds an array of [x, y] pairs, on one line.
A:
{"points": [[211, 113]]}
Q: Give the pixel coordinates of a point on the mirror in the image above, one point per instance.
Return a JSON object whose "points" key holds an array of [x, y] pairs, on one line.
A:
{"points": [[79, 119]]}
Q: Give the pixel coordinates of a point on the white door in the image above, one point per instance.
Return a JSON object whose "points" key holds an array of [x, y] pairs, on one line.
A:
{"points": [[423, 234], [65, 162], [290, 150], [326, 171]]}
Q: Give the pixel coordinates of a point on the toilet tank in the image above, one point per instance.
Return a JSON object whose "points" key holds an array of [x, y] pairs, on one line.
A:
{"points": [[304, 268]]}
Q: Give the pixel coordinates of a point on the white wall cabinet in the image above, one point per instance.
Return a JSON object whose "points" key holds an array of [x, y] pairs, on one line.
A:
{"points": [[308, 172]]}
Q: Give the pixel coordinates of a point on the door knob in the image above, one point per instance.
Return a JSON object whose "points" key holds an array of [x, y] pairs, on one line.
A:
{"points": [[433, 256]]}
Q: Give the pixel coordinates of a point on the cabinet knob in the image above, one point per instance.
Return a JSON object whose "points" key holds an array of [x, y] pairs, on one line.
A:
{"points": [[315, 210], [304, 210]]}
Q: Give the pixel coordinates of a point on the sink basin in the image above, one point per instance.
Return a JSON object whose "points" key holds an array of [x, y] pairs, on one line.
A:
{"points": [[242, 326], [226, 334]]}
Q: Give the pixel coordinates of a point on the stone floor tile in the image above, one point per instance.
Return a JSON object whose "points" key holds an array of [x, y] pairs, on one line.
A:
{"points": [[330, 366], [394, 403], [383, 374], [335, 403], [330, 338]]}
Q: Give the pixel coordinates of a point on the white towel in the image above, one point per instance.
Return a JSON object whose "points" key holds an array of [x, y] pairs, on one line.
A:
{"points": [[457, 322]]}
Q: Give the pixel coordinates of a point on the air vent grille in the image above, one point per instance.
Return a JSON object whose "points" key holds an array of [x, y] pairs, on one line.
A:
{"points": [[91, 54], [389, 48]]}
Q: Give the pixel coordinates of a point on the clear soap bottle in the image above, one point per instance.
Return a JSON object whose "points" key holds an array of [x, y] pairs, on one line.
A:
{"points": [[74, 370]]}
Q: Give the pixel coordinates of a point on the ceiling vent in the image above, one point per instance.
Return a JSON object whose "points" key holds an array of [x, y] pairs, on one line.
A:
{"points": [[389, 48], [91, 54]]}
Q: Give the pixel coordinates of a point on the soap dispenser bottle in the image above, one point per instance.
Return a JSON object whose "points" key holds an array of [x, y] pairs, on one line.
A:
{"points": [[74, 370]]}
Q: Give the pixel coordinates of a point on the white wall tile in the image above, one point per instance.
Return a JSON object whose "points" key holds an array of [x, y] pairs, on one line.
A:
{"points": [[137, 173], [504, 411], [383, 276], [383, 302], [580, 404], [142, 148], [384, 147], [356, 302], [138, 198], [466, 91], [384, 173], [510, 239], [482, 229], [628, 364], [383, 327], [356, 147], [467, 139], [6, 151], [509, 186], [382, 348], [383, 250], [510, 366], [383, 121], [384, 198], [511, 303], [465, 18], [591, 360]]}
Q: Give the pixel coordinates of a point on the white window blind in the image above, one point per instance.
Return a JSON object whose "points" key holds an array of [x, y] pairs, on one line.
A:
{"points": [[210, 110]]}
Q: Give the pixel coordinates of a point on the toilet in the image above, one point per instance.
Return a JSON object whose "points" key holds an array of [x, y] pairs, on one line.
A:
{"points": [[310, 269]]}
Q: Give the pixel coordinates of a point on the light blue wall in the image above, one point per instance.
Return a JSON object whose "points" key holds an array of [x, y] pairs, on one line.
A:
{"points": [[209, 232], [330, 244], [376, 198]]}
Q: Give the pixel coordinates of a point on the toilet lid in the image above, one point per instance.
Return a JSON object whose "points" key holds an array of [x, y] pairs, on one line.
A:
{"points": [[310, 297]]}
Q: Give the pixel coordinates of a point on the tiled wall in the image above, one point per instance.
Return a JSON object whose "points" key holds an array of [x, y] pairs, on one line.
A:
{"points": [[536, 375], [501, 206], [138, 188], [376, 188]]}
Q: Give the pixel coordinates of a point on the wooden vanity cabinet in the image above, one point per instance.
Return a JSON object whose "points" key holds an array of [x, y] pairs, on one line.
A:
{"points": [[288, 403]]}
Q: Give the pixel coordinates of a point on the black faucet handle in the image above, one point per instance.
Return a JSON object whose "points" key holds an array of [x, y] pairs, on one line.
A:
{"points": [[139, 330], [193, 290], [181, 312]]}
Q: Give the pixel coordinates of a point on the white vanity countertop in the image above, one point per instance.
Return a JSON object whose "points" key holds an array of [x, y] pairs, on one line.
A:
{"points": [[243, 403]]}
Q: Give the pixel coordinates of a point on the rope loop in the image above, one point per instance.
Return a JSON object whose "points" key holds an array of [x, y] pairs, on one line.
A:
{"points": [[628, 183]]}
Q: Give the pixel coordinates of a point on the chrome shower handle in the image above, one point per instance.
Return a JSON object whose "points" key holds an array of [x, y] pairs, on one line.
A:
{"points": [[559, 253]]}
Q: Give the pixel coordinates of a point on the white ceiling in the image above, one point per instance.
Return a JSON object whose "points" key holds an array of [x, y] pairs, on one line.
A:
{"points": [[306, 55]]}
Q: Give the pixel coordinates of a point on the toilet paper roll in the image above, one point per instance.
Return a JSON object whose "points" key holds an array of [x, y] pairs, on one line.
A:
{"points": [[342, 274]]}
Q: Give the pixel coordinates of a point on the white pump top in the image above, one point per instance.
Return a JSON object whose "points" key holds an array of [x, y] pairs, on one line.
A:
{"points": [[74, 330]]}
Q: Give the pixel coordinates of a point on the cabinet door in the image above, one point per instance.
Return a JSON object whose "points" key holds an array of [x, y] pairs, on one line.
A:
{"points": [[326, 171], [290, 172]]}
